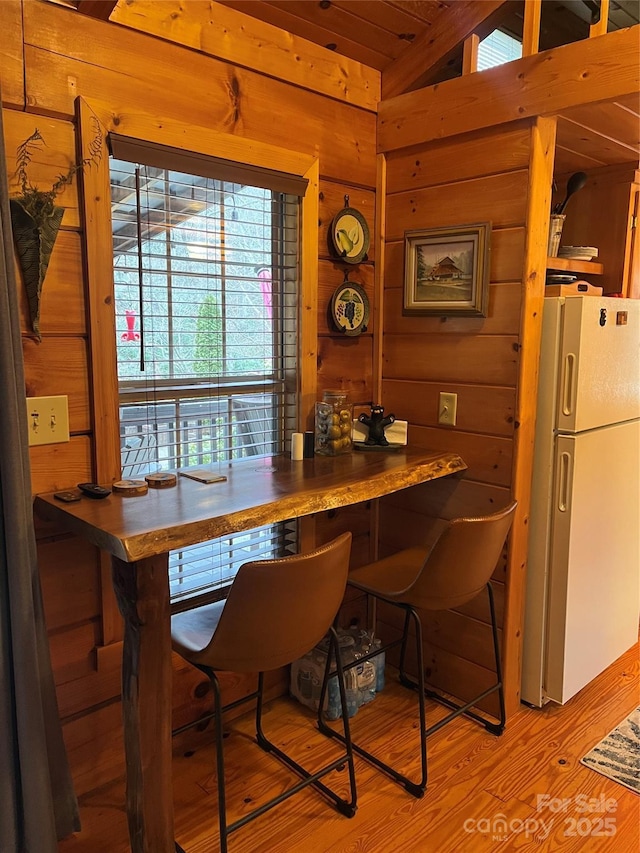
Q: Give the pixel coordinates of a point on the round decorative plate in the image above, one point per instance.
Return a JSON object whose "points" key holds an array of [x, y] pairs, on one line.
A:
{"points": [[350, 235], [350, 308]]}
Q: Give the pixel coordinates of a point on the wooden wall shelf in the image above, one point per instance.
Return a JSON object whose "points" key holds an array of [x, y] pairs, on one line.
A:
{"points": [[575, 266]]}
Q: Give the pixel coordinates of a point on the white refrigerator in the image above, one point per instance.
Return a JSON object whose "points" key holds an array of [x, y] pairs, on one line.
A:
{"points": [[583, 572]]}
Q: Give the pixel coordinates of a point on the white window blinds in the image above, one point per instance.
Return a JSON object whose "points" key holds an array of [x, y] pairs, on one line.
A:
{"points": [[205, 277]]}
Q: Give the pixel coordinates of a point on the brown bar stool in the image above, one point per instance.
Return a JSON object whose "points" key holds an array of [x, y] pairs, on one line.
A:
{"points": [[276, 611], [454, 570]]}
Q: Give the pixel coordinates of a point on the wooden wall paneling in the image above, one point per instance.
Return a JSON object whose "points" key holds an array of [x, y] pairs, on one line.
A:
{"points": [[478, 607], [83, 694], [346, 363], [486, 409], [538, 203], [477, 359], [94, 745], [503, 315], [354, 612], [63, 307], [68, 54], [361, 551], [498, 199], [11, 62], [192, 696], [593, 70], [330, 276], [489, 458], [358, 520], [354, 518], [308, 352], [58, 365], [449, 497], [60, 466], [95, 197], [448, 672], [378, 313], [473, 155], [505, 262], [69, 566], [56, 156], [445, 629], [238, 38], [72, 651], [404, 527], [332, 201], [484, 359]]}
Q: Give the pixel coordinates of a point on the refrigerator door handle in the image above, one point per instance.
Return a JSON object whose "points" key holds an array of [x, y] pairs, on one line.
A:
{"points": [[568, 384], [564, 465]]}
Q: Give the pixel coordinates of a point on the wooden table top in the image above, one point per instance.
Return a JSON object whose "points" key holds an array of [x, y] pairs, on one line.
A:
{"points": [[256, 492]]}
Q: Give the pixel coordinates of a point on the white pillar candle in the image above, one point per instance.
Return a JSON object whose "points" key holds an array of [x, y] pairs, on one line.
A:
{"points": [[297, 446]]}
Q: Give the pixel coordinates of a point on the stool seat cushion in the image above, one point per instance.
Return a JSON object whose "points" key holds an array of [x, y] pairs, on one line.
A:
{"points": [[192, 630], [392, 576]]}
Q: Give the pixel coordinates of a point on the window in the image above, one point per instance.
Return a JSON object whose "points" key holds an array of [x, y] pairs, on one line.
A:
{"points": [[205, 276], [498, 47]]}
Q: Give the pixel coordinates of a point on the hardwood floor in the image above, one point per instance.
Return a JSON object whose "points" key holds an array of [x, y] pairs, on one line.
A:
{"points": [[483, 791]]}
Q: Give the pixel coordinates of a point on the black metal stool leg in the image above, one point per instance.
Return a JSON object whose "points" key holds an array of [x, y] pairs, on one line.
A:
{"points": [[466, 709], [496, 729], [347, 808], [417, 789], [403, 651], [222, 808]]}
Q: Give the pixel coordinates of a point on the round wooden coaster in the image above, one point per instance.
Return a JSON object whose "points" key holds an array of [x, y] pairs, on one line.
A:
{"points": [[161, 480], [130, 488]]}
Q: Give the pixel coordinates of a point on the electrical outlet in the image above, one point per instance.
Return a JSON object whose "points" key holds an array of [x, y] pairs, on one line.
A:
{"points": [[447, 409], [48, 419]]}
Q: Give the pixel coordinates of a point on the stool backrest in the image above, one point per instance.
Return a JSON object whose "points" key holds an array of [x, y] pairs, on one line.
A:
{"points": [[461, 561], [277, 610]]}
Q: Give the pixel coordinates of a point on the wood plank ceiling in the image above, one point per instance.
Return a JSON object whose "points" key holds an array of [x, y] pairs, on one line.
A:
{"points": [[416, 43]]}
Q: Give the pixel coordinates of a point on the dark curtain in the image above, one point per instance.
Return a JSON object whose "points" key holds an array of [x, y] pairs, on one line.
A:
{"points": [[37, 802]]}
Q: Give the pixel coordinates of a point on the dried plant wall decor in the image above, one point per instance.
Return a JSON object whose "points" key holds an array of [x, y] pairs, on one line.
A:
{"points": [[36, 218]]}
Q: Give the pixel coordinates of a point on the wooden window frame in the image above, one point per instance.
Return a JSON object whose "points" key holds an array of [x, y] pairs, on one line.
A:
{"points": [[95, 204]]}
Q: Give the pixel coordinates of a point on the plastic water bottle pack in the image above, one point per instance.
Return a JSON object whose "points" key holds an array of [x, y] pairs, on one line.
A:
{"points": [[362, 681]]}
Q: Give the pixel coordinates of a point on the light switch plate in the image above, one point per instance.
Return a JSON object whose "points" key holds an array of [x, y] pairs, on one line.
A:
{"points": [[48, 420], [447, 409]]}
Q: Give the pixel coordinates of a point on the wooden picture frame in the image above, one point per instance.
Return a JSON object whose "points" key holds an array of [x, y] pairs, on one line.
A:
{"points": [[446, 271]]}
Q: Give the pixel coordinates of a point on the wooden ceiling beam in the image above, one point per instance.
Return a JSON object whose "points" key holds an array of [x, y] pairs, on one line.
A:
{"points": [[100, 9], [431, 50], [606, 68]]}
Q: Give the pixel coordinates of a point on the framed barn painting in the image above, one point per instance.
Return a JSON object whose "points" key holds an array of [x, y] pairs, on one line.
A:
{"points": [[446, 271]]}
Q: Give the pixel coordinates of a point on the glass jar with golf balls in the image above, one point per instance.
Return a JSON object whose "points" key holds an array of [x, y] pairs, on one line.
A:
{"points": [[334, 415]]}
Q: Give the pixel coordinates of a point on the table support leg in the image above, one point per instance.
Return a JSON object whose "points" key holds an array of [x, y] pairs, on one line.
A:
{"points": [[142, 590]]}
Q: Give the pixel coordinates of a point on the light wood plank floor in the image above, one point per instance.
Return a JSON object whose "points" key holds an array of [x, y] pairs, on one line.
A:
{"points": [[483, 792]]}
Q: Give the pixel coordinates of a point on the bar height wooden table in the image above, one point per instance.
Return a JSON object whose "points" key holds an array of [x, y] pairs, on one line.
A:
{"points": [[139, 533]]}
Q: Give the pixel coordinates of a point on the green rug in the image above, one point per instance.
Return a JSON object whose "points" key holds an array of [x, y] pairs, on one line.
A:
{"points": [[617, 756]]}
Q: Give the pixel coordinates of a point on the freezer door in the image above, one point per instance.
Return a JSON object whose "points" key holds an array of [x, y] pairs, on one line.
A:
{"points": [[599, 363], [593, 603]]}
